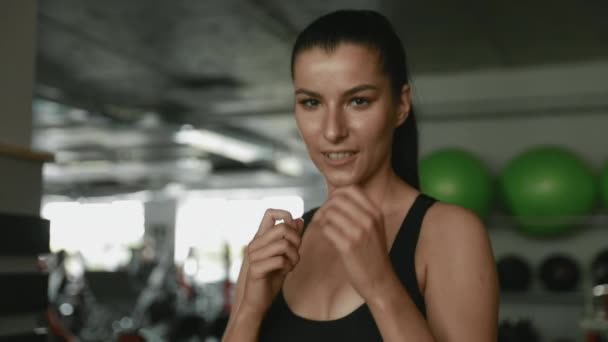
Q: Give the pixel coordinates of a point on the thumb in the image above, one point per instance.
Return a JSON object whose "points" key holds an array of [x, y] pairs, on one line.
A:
{"points": [[299, 223]]}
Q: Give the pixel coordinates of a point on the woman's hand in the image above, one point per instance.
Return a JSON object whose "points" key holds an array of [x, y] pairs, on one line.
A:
{"points": [[355, 227], [271, 254]]}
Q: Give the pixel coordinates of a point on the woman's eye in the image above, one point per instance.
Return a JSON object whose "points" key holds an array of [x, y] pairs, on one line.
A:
{"points": [[309, 103], [359, 101]]}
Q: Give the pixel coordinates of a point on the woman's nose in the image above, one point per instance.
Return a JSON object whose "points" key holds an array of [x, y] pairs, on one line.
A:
{"points": [[335, 128]]}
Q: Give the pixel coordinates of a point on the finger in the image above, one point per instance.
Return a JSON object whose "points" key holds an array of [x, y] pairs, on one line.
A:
{"points": [[285, 232], [261, 268], [342, 220], [353, 195], [341, 206], [359, 208], [280, 247], [343, 201], [299, 225], [270, 218], [335, 236], [278, 232]]}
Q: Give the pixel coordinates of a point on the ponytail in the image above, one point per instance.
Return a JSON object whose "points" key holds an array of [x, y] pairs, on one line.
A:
{"points": [[405, 151]]}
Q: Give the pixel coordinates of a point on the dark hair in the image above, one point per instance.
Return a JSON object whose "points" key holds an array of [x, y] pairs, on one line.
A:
{"points": [[374, 31]]}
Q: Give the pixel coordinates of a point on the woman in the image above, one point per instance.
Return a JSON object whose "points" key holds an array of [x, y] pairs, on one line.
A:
{"points": [[379, 260]]}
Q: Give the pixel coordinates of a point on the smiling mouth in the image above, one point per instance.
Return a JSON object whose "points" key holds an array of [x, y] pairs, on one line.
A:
{"points": [[337, 156]]}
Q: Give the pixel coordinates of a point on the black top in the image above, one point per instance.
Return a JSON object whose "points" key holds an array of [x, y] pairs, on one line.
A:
{"points": [[281, 324]]}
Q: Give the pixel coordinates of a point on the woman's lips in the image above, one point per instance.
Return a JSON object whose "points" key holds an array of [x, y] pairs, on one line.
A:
{"points": [[337, 158]]}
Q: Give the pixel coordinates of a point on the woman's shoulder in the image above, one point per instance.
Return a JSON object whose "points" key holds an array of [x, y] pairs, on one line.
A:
{"points": [[441, 213], [450, 228]]}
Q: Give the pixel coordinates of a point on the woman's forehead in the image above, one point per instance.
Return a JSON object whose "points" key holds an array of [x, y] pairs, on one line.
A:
{"points": [[347, 61], [343, 51]]}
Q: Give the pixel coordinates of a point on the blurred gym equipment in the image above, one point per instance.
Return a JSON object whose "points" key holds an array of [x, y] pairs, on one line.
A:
{"points": [[514, 274], [548, 189], [457, 177], [560, 273], [517, 331], [599, 268]]}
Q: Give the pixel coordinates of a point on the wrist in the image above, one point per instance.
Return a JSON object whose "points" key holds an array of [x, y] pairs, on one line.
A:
{"points": [[244, 325], [248, 315], [385, 294]]}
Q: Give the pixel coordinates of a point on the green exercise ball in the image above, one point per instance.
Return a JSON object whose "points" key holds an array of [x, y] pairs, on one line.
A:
{"points": [[547, 189], [457, 177], [604, 185]]}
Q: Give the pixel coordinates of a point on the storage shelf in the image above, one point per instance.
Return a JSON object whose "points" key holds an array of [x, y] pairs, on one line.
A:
{"points": [[599, 219], [574, 298]]}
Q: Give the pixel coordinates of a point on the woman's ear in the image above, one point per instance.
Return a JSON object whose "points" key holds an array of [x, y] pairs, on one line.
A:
{"points": [[405, 104]]}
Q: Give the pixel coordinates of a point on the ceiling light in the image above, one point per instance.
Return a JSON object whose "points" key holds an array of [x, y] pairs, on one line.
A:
{"points": [[220, 144]]}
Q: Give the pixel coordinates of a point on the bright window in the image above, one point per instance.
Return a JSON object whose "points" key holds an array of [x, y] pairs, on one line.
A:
{"points": [[206, 223], [101, 232]]}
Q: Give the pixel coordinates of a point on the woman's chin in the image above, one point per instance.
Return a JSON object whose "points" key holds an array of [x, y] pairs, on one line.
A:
{"points": [[340, 181]]}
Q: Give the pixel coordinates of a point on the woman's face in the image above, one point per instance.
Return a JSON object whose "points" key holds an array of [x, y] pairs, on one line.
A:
{"points": [[345, 112]]}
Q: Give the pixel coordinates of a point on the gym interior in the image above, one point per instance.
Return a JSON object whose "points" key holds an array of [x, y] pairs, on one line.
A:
{"points": [[131, 132]]}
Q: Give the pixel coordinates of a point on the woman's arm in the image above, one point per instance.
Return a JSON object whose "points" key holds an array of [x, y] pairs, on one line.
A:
{"points": [[248, 323], [461, 291], [272, 253]]}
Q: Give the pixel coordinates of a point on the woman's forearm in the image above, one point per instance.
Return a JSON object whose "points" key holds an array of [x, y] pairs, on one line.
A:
{"points": [[243, 327], [396, 315]]}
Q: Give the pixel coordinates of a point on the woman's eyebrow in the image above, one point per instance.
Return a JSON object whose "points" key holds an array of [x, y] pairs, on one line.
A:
{"points": [[306, 92], [350, 91], [359, 88]]}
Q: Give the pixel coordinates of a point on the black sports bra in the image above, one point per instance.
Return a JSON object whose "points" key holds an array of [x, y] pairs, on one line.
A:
{"points": [[281, 324]]}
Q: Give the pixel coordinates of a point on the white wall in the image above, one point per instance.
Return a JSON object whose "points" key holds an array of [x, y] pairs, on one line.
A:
{"points": [[498, 114], [498, 140]]}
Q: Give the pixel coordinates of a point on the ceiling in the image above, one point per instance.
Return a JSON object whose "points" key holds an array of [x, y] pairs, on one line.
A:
{"points": [[117, 81]]}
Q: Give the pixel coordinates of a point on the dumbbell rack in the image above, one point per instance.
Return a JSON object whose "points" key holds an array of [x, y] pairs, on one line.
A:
{"points": [[561, 314], [24, 238], [23, 285]]}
